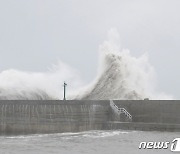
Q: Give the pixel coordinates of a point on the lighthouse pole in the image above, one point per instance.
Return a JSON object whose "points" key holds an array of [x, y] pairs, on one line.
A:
{"points": [[65, 90]]}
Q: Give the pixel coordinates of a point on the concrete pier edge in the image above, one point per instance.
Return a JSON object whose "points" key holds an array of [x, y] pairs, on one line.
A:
{"points": [[55, 116]]}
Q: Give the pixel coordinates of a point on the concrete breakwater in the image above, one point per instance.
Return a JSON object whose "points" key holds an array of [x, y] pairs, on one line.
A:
{"points": [[28, 117], [152, 111]]}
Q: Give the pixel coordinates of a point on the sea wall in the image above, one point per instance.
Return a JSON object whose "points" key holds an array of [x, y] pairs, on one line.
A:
{"points": [[152, 111], [29, 117], [141, 126]]}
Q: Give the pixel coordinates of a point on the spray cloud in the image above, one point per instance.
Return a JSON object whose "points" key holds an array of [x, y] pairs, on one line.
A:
{"points": [[120, 76]]}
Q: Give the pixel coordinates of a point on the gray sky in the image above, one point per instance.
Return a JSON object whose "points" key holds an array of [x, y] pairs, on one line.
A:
{"points": [[36, 33]]}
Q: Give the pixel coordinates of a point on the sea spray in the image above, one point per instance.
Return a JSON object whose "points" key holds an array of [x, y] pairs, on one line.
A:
{"points": [[21, 85], [120, 76]]}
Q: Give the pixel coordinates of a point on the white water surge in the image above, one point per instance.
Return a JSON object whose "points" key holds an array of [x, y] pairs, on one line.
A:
{"points": [[120, 76]]}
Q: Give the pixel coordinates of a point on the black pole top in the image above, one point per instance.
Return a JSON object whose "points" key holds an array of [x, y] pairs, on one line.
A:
{"points": [[65, 84]]}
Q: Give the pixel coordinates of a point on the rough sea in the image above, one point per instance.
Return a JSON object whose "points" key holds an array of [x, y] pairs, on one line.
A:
{"points": [[89, 142]]}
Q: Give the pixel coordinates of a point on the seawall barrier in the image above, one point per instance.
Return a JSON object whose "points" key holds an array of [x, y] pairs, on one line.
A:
{"points": [[30, 116], [152, 111]]}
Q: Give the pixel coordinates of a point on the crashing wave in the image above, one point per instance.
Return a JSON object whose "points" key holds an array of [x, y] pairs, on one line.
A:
{"points": [[121, 76], [10, 94], [112, 83]]}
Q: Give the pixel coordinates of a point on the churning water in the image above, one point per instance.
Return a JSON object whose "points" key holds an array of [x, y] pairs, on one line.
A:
{"points": [[120, 76], [90, 142]]}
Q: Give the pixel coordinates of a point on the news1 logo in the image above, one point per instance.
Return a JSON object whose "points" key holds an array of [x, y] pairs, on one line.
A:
{"points": [[174, 145]]}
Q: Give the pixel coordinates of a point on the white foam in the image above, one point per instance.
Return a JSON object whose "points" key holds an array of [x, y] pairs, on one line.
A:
{"points": [[120, 76]]}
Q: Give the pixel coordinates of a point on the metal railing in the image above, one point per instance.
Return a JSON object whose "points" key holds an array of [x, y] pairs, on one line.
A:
{"points": [[120, 110]]}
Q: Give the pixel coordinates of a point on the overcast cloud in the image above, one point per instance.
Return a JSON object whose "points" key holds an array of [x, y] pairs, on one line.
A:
{"points": [[36, 33]]}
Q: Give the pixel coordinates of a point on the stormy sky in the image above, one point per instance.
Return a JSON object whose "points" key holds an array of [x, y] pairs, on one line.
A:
{"points": [[37, 33]]}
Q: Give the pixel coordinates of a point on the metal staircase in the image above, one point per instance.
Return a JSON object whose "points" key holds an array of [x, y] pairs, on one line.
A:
{"points": [[120, 111]]}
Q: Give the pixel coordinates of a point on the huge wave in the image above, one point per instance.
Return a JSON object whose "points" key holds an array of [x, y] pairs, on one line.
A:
{"points": [[120, 76]]}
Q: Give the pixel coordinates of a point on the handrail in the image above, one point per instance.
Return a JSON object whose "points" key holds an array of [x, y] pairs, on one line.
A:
{"points": [[120, 110]]}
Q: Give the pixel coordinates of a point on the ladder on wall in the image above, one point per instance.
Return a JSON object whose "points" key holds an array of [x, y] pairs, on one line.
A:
{"points": [[120, 111]]}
